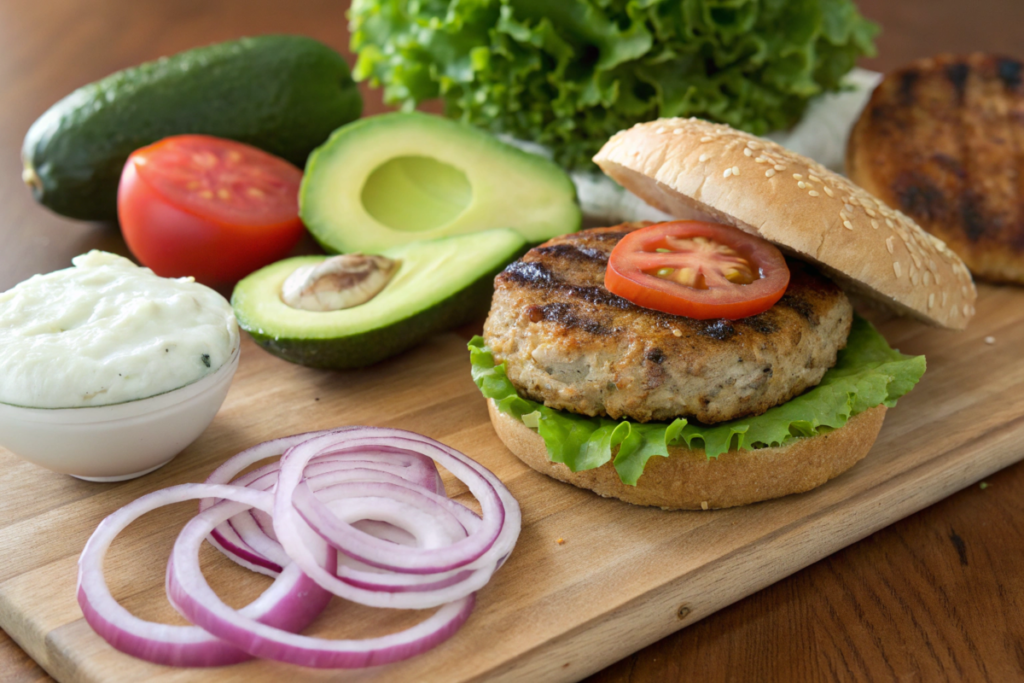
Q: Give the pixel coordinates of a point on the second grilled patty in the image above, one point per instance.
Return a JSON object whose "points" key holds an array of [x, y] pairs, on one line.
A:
{"points": [[570, 343]]}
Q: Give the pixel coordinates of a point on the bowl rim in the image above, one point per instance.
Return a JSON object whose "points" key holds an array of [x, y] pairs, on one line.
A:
{"points": [[132, 408]]}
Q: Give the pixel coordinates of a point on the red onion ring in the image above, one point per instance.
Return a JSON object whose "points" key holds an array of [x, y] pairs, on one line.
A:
{"points": [[291, 602]]}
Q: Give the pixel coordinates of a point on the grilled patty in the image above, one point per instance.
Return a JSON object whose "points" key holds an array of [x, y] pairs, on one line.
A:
{"points": [[570, 343], [942, 140]]}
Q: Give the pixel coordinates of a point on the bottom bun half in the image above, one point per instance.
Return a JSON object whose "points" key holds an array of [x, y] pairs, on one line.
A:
{"points": [[688, 480]]}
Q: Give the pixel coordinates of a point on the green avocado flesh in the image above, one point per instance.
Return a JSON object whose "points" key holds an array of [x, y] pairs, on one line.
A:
{"points": [[282, 94], [867, 373], [439, 284], [396, 178]]}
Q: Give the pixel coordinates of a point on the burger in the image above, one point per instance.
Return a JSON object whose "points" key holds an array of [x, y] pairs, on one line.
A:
{"points": [[713, 362]]}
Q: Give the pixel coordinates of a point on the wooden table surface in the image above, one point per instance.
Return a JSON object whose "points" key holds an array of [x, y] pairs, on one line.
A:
{"points": [[937, 596]]}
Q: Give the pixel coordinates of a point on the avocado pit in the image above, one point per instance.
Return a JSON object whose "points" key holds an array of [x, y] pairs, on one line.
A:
{"points": [[337, 283]]}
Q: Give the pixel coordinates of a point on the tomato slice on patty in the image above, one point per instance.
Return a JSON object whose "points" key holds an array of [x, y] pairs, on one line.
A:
{"points": [[698, 270]]}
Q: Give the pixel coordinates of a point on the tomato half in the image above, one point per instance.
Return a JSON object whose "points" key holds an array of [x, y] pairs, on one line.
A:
{"points": [[698, 270], [208, 207]]}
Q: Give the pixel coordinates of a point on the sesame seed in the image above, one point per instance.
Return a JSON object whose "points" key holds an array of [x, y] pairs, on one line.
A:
{"points": [[702, 158], [914, 279], [677, 332], [677, 131], [917, 259], [797, 176], [814, 178], [828, 191], [896, 268], [780, 167], [801, 184], [870, 212], [944, 297], [927, 278], [706, 138], [848, 225], [990, 340], [967, 310], [953, 312], [938, 280], [874, 224], [888, 221], [769, 173], [659, 129], [848, 208], [703, 505], [888, 244], [963, 290], [735, 170], [931, 300], [753, 144], [747, 152], [727, 172], [760, 160], [813, 193]]}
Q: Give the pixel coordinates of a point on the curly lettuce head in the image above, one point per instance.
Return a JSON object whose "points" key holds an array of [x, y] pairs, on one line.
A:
{"points": [[570, 73]]}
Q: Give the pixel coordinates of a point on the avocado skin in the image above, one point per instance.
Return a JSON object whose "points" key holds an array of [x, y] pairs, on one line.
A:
{"points": [[373, 346], [283, 94]]}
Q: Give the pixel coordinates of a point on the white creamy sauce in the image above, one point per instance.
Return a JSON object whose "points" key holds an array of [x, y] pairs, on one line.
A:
{"points": [[108, 331]]}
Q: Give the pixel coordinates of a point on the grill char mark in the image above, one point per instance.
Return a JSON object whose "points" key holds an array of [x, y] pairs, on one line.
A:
{"points": [[574, 252], [908, 81], [609, 236], [957, 74], [918, 196], [568, 317], [1009, 71]]}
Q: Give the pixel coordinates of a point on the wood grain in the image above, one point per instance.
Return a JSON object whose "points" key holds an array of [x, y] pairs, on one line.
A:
{"points": [[898, 605]]}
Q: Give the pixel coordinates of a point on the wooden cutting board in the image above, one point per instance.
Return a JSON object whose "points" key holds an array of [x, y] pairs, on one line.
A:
{"points": [[621, 578]]}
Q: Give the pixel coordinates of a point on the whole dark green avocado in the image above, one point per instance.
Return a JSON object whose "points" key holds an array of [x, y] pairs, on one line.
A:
{"points": [[283, 94]]}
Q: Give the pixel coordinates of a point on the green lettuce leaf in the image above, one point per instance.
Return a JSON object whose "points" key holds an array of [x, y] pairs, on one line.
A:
{"points": [[570, 73], [867, 373]]}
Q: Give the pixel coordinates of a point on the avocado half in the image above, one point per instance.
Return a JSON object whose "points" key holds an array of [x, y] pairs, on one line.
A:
{"points": [[439, 284], [396, 178]]}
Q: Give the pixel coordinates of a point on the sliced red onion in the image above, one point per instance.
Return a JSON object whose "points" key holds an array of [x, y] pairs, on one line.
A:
{"points": [[478, 551], [291, 602], [226, 538], [373, 493], [192, 596], [239, 540], [477, 546], [254, 544]]}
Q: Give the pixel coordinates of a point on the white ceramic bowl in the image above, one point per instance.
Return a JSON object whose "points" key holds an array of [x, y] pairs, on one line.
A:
{"points": [[119, 441]]}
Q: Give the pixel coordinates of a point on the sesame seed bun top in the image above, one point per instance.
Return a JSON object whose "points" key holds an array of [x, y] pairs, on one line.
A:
{"points": [[682, 165]]}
